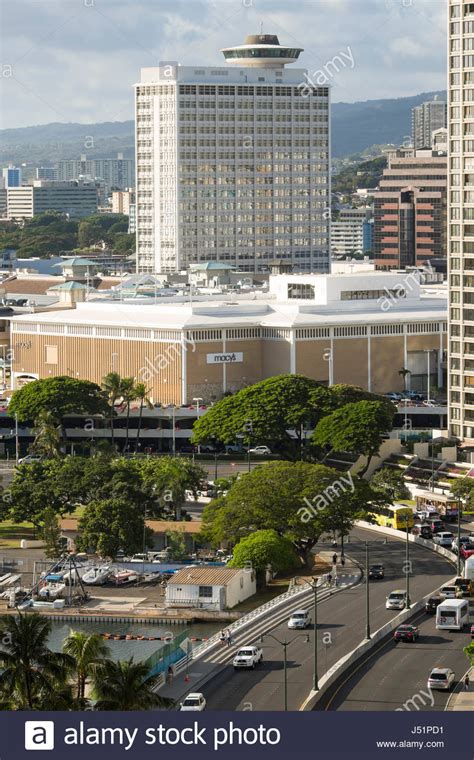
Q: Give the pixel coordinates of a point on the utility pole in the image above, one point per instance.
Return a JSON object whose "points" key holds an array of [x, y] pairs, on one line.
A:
{"points": [[367, 594], [407, 566], [458, 564]]}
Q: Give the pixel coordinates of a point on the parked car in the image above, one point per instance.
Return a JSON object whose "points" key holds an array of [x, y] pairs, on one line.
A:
{"points": [[260, 451], [232, 448], [247, 657], [432, 603], [195, 702], [466, 550], [396, 600], [30, 458], [139, 558], [393, 396], [441, 678], [443, 538], [376, 572], [406, 633], [300, 619], [451, 592]]}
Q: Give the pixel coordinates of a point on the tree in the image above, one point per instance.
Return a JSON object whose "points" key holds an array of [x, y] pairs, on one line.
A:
{"points": [[391, 483], [469, 652], [51, 533], [168, 479], [263, 548], [126, 685], [357, 428], [176, 543], [264, 413], [112, 386], [111, 524], [29, 671], [35, 488], [48, 438], [463, 488], [405, 374], [128, 395], [88, 652], [59, 396], [291, 498], [142, 394]]}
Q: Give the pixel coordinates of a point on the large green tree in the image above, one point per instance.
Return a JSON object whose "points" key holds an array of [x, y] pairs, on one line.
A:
{"points": [[390, 482], [59, 396], [126, 685], [263, 548], [355, 427], [108, 525], [295, 499], [88, 652]]}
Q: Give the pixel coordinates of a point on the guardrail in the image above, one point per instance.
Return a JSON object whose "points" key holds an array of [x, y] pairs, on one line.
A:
{"points": [[244, 622]]}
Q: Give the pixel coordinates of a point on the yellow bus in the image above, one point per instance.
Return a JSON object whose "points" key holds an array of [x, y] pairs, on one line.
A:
{"points": [[394, 517]]}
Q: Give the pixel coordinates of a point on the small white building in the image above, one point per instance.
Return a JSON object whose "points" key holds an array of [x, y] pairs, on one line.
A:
{"points": [[213, 588]]}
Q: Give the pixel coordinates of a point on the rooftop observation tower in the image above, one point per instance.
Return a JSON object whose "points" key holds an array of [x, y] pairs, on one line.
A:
{"points": [[261, 51]]}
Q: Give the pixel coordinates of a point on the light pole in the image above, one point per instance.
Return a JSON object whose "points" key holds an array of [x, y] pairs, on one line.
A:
{"points": [[198, 399], [314, 586], [285, 644], [367, 594], [428, 370], [458, 563], [407, 566]]}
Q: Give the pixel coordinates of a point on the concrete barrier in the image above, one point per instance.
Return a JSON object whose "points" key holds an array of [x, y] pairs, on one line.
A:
{"points": [[25, 544], [344, 664]]}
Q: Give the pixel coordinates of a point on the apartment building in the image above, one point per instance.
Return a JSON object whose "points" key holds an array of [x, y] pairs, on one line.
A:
{"points": [[233, 163], [426, 119], [351, 232], [117, 173], [461, 218], [410, 210]]}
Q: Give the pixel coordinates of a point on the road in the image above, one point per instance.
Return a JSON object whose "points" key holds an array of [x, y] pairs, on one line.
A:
{"points": [[341, 626], [373, 686]]}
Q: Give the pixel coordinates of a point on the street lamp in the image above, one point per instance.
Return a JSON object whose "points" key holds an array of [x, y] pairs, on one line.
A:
{"points": [[367, 585], [407, 565], [313, 584], [458, 563], [198, 399], [285, 644]]}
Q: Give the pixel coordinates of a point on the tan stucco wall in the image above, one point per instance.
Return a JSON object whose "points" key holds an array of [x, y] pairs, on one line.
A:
{"points": [[387, 358], [310, 359]]}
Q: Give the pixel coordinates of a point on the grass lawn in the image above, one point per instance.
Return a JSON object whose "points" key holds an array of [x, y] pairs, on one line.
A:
{"points": [[12, 533], [78, 512]]}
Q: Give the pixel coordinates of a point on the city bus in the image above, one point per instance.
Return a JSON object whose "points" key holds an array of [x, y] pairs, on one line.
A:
{"points": [[396, 516], [452, 614], [446, 506]]}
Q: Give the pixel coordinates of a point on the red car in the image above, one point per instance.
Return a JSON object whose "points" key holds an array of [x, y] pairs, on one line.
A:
{"points": [[406, 633], [466, 550]]}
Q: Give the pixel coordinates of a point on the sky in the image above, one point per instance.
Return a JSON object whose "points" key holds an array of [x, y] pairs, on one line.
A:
{"points": [[77, 60]]}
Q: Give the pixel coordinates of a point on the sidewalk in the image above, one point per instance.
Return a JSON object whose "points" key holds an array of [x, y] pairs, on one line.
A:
{"points": [[183, 682], [463, 700]]}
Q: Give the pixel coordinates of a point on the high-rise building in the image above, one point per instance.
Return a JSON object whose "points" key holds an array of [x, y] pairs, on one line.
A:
{"points": [[233, 163], [122, 200], [425, 119], [47, 172], [116, 173], [410, 210], [76, 199], [349, 235], [461, 218], [11, 176]]}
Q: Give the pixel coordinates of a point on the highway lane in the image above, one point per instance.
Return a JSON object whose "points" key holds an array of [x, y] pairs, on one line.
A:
{"points": [[394, 676], [341, 627]]}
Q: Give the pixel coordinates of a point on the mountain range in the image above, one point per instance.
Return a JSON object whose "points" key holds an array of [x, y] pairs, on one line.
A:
{"points": [[355, 128]]}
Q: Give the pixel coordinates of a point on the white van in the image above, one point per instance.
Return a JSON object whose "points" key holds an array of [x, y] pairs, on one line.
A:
{"points": [[452, 614], [443, 538]]}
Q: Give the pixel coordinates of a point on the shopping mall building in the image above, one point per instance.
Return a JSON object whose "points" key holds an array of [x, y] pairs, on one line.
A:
{"points": [[360, 329]]}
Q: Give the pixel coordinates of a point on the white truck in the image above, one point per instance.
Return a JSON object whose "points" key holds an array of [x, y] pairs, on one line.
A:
{"points": [[247, 657]]}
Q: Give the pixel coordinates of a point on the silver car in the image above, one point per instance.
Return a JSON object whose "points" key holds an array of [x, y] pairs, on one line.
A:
{"points": [[441, 678]]}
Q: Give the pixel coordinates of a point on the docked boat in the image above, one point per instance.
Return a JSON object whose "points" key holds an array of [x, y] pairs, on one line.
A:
{"points": [[96, 576], [52, 590], [121, 577]]}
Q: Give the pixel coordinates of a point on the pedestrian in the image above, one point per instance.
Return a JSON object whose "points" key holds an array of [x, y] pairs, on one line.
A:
{"points": [[334, 558], [466, 682], [343, 560], [229, 638], [329, 577], [223, 636], [169, 675]]}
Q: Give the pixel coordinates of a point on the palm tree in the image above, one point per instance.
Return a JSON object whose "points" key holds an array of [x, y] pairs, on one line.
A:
{"points": [[142, 394], [126, 685], [30, 673], [404, 373], [88, 652], [112, 385], [48, 434], [128, 395]]}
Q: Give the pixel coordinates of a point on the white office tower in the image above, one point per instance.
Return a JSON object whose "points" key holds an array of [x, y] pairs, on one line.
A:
{"points": [[461, 218], [233, 163], [426, 119]]}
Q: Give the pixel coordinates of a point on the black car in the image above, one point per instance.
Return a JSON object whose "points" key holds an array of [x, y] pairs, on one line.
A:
{"points": [[432, 603], [376, 571]]}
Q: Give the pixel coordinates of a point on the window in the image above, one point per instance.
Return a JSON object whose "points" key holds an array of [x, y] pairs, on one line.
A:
{"points": [[300, 290], [51, 354], [205, 591]]}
